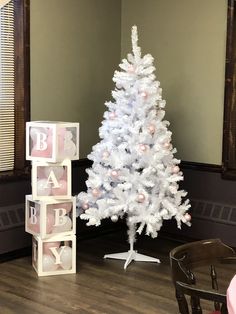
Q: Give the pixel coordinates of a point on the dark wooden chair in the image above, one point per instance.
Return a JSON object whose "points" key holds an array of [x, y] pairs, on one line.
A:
{"points": [[184, 260]]}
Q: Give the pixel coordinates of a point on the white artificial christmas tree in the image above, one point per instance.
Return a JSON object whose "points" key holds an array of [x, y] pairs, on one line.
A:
{"points": [[134, 172]]}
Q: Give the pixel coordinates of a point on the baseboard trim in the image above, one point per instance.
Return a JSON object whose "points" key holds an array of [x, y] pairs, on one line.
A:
{"points": [[201, 166]]}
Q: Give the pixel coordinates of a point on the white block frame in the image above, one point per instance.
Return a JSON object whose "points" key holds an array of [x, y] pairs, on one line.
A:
{"points": [[34, 181], [42, 216], [37, 255], [55, 127]]}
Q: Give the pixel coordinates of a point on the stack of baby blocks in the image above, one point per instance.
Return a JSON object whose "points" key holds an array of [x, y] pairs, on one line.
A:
{"points": [[51, 210]]}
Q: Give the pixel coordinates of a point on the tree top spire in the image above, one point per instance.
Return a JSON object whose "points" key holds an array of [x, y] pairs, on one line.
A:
{"points": [[136, 49]]}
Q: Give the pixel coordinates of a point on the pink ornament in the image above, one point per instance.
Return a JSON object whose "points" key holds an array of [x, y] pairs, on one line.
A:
{"points": [[188, 217], [85, 206], [112, 115], [50, 220], [151, 129], [95, 192], [48, 245], [114, 173], [41, 173], [167, 145], [144, 94], [142, 147], [175, 169], [141, 198], [34, 227], [66, 206], [105, 154], [131, 68], [62, 189]]}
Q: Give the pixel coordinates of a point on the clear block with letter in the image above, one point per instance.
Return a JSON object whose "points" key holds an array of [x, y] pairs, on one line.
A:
{"points": [[54, 256], [52, 141], [50, 218], [51, 180]]}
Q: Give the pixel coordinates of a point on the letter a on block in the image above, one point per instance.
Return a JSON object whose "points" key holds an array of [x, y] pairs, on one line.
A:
{"points": [[41, 143], [33, 218], [60, 218], [56, 254], [52, 180]]}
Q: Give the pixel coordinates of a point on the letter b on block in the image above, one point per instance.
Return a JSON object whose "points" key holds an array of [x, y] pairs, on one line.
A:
{"points": [[52, 141], [50, 218]]}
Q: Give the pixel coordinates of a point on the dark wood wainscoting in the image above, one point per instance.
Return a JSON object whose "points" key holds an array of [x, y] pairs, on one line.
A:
{"points": [[213, 204], [213, 211]]}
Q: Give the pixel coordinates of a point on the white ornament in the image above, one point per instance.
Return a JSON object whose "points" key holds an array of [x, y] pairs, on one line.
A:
{"points": [[65, 253], [187, 216], [154, 170], [43, 188], [48, 262], [69, 145], [164, 212], [114, 218], [67, 226]]}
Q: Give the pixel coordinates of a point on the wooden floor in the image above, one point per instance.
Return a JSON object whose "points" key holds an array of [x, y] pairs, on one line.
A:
{"points": [[99, 286]]}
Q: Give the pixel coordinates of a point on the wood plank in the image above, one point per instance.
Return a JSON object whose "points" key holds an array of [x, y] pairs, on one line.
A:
{"points": [[99, 286]]}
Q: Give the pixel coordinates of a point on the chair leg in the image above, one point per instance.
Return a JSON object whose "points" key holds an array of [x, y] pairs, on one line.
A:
{"points": [[224, 309], [182, 302], [195, 304], [214, 285]]}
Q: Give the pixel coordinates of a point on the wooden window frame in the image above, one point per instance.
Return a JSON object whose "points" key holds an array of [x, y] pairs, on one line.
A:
{"points": [[229, 124], [22, 89]]}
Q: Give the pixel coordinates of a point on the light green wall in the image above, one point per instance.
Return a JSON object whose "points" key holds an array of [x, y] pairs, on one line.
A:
{"points": [[75, 48], [187, 39]]}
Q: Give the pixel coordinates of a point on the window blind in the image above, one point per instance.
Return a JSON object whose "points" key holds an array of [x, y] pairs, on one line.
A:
{"points": [[7, 114]]}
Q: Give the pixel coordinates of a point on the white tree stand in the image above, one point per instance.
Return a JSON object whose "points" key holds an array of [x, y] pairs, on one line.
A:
{"points": [[132, 255]]}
